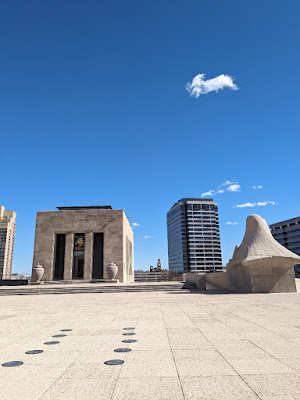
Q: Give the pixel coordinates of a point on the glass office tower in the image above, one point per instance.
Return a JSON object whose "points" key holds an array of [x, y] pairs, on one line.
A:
{"points": [[193, 236], [287, 233]]}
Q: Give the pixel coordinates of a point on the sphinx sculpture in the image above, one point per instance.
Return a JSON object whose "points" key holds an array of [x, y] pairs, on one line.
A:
{"points": [[261, 264]]}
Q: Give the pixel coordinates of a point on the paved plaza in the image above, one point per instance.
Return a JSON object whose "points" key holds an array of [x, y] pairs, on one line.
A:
{"points": [[190, 345]]}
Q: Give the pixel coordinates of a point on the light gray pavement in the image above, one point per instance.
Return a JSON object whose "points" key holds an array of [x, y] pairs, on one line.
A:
{"points": [[189, 345]]}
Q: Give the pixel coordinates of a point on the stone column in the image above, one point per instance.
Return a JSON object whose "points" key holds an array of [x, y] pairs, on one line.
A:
{"points": [[88, 256], [69, 249]]}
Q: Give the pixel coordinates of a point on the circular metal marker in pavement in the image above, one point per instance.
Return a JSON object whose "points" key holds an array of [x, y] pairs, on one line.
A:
{"points": [[122, 350], [129, 341], [128, 329], [128, 334], [114, 362], [12, 364], [60, 335], [53, 342], [66, 330], [34, 351]]}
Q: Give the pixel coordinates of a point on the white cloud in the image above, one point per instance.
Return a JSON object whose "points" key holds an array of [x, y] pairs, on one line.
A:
{"points": [[234, 188], [257, 187], [200, 86], [245, 205], [231, 187], [265, 203], [209, 193], [147, 237], [135, 224], [227, 183], [258, 204], [232, 223]]}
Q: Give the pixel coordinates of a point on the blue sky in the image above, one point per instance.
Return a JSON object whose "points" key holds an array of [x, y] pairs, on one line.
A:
{"points": [[94, 110]]}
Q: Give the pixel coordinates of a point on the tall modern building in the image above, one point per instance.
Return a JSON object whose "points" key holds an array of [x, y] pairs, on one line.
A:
{"points": [[7, 238], [287, 233], [193, 236]]}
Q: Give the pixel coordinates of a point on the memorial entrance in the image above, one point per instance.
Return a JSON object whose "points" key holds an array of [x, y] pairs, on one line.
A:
{"points": [[76, 243], [78, 256]]}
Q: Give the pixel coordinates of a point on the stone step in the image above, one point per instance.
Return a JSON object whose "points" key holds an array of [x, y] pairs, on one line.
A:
{"points": [[189, 286]]}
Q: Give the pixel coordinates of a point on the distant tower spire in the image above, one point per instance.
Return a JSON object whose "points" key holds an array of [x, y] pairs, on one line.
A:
{"points": [[158, 264]]}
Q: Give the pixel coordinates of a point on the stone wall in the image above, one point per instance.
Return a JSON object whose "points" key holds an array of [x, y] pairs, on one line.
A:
{"points": [[262, 277], [128, 254], [195, 278], [219, 279]]}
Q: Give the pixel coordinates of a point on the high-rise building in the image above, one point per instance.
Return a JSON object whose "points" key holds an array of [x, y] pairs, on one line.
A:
{"points": [[193, 236], [7, 238], [287, 233]]}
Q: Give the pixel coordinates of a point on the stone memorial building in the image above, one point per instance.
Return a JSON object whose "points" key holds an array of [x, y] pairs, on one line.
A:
{"points": [[79, 242]]}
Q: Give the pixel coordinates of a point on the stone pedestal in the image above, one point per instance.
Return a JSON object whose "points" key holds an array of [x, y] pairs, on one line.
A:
{"points": [[270, 276]]}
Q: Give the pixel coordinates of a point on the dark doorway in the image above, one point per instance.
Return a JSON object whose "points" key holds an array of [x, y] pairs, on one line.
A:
{"points": [[98, 256], [78, 259], [80, 268], [59, 265]]}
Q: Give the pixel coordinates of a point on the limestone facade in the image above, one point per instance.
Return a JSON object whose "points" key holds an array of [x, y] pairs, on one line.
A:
{"points": [[79, 242]]}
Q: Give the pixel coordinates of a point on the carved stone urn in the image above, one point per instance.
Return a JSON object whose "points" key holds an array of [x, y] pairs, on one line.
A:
{"points": [[37, 273], [112, 270]]}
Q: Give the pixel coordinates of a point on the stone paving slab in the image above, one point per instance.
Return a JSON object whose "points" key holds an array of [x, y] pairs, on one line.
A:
{"points": [[163, 388], [190, 345], [217, 387]]}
